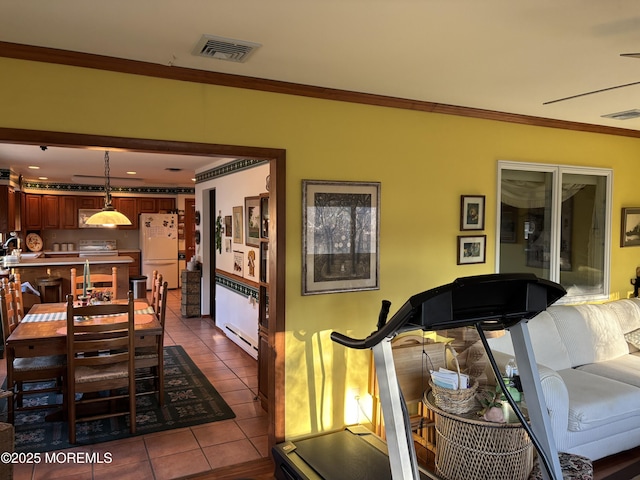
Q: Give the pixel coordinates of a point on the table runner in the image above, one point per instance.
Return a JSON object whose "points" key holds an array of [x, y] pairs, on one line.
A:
{"points": [[49, 317]]}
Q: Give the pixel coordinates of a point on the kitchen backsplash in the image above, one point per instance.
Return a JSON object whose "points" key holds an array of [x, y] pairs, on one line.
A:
{"points": [[125, 239]]}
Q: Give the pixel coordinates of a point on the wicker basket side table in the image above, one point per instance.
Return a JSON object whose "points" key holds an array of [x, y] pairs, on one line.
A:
{"points": [[467, 447]]}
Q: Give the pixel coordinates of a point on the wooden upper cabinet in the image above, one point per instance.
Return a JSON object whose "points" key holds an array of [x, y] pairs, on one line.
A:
{"points": [[90, 202], [32, 218], [166, 204], [68, 212], [147, 205], [7, 209], [50, 211], [128, 206], [155, 205]]}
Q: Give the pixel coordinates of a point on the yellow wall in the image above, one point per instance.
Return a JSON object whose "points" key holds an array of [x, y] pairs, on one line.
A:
{"points": [[425, 162]]}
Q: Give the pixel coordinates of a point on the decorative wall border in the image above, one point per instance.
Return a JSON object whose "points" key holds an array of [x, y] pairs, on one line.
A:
{"points": [[79, 188], [235, 285], [229, 168]]}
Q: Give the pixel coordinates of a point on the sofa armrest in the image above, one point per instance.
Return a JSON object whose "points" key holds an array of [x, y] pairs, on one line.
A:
{"points": [[554, 390]]}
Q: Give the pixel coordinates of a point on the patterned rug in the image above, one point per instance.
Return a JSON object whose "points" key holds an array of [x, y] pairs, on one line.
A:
{"points": [[189, 400]]}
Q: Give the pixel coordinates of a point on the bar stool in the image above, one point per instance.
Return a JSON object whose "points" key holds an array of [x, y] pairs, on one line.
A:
{"points": [[50, 282]]}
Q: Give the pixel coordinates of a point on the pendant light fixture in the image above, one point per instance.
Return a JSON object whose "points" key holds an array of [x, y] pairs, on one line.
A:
{"points": [[108, 216]]}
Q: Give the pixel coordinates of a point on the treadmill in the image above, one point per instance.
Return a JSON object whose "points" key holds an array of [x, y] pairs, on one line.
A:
{"points": [[486, 302]]}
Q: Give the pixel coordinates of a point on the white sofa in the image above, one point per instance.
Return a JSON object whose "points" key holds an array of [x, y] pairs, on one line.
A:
{"points": [[590, 374]]}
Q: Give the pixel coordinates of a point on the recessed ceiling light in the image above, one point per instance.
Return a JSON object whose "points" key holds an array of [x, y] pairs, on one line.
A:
{"points": [[34, 167], [43, 178], [193, 179], [131, 173]]}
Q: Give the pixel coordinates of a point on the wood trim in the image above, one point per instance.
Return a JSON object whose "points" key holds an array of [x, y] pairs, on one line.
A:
{"points": [[134, 67]]}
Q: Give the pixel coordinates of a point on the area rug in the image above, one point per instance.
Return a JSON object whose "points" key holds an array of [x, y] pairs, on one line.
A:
{"points": [[189, 400]]}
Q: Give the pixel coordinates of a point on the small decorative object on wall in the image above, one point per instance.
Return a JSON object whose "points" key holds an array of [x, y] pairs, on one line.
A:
{"points": [[238, 262], [472, 249], [630, 235], [251, 263], [196, 236], [219, 229], [472, 212], [227, 226], [252, 221], [340, 251], [237, 225], [227, 245], [196, 217]]}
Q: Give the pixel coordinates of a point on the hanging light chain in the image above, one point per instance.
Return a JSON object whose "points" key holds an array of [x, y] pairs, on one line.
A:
{"points": [[107, 182]]}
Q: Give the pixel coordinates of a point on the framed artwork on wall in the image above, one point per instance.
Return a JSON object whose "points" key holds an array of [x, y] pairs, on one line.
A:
{"points": [[472, 212], [237, 225], [472, 249], [340, 236], [630, 234], [227, 226], [252, 221]]}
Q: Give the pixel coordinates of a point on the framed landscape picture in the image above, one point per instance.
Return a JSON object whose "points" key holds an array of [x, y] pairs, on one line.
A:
{"points": [[630, 234], [472, 212], [340, 236], [472, 249]]}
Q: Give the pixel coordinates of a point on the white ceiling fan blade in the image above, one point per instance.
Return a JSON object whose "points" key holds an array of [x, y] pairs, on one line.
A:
{"points": [[591, 93]]}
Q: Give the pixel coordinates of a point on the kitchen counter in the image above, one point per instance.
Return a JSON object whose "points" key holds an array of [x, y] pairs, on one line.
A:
{"points": [[72, 261], [30, 269]]}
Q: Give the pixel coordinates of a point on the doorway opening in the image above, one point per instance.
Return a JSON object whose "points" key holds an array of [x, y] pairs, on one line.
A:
{"points": [[276, 266]]}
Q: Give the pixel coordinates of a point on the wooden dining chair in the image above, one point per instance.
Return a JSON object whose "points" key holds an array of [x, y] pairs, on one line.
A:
{"points": [[43, 374], [150, 360], [155, 292], [154, 276], [19, 301], [100, 358], [98, 281]]}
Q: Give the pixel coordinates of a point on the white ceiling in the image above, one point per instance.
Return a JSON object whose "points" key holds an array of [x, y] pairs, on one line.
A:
{"points": [[503, 55]]}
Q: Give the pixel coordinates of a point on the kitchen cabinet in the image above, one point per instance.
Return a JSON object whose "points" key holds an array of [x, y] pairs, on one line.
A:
{"points": [[8, 211], [156, 204], [61, 211], [50, 211], [68, 211], [128, 206], [32, 211], [92, 202], [134, 268]]}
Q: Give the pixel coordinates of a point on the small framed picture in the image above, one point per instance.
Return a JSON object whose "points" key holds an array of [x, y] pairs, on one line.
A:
{"points": [[471, 212], [472, 249], [237, 225], [630, 234], [252, 221]]}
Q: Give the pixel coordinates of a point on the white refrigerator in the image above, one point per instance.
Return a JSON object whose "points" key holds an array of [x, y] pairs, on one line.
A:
{"points": [[159, 246]]}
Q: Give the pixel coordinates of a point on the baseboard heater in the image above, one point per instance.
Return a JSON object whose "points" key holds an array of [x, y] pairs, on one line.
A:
{"points": [[241, 339]]}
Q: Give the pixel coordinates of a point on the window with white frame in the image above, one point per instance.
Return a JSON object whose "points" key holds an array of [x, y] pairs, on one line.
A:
{"points": [[555, 221]]}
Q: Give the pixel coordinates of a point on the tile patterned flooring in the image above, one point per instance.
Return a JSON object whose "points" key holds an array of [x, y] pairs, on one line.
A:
{"points": [[187, 451]]}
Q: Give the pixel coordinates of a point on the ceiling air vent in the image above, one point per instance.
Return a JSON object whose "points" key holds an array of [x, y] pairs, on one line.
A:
{"points": [[225, 48], [626, 115]]}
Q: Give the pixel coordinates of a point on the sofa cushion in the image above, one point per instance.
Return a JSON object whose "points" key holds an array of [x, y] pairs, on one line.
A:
{"points": [[590, 333], [624, 369], [595, 401], [627, 312], [545, 339], [633, 338]]}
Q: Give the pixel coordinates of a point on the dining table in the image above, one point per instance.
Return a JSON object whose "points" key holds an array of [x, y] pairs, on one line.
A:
{"points": [[43, 330]]}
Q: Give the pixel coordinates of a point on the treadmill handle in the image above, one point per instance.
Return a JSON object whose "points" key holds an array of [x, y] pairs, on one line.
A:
{"points": [[374, 338]]}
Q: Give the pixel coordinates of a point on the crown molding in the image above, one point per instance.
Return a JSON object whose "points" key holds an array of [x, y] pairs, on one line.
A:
{"points": [[101, 62]]}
